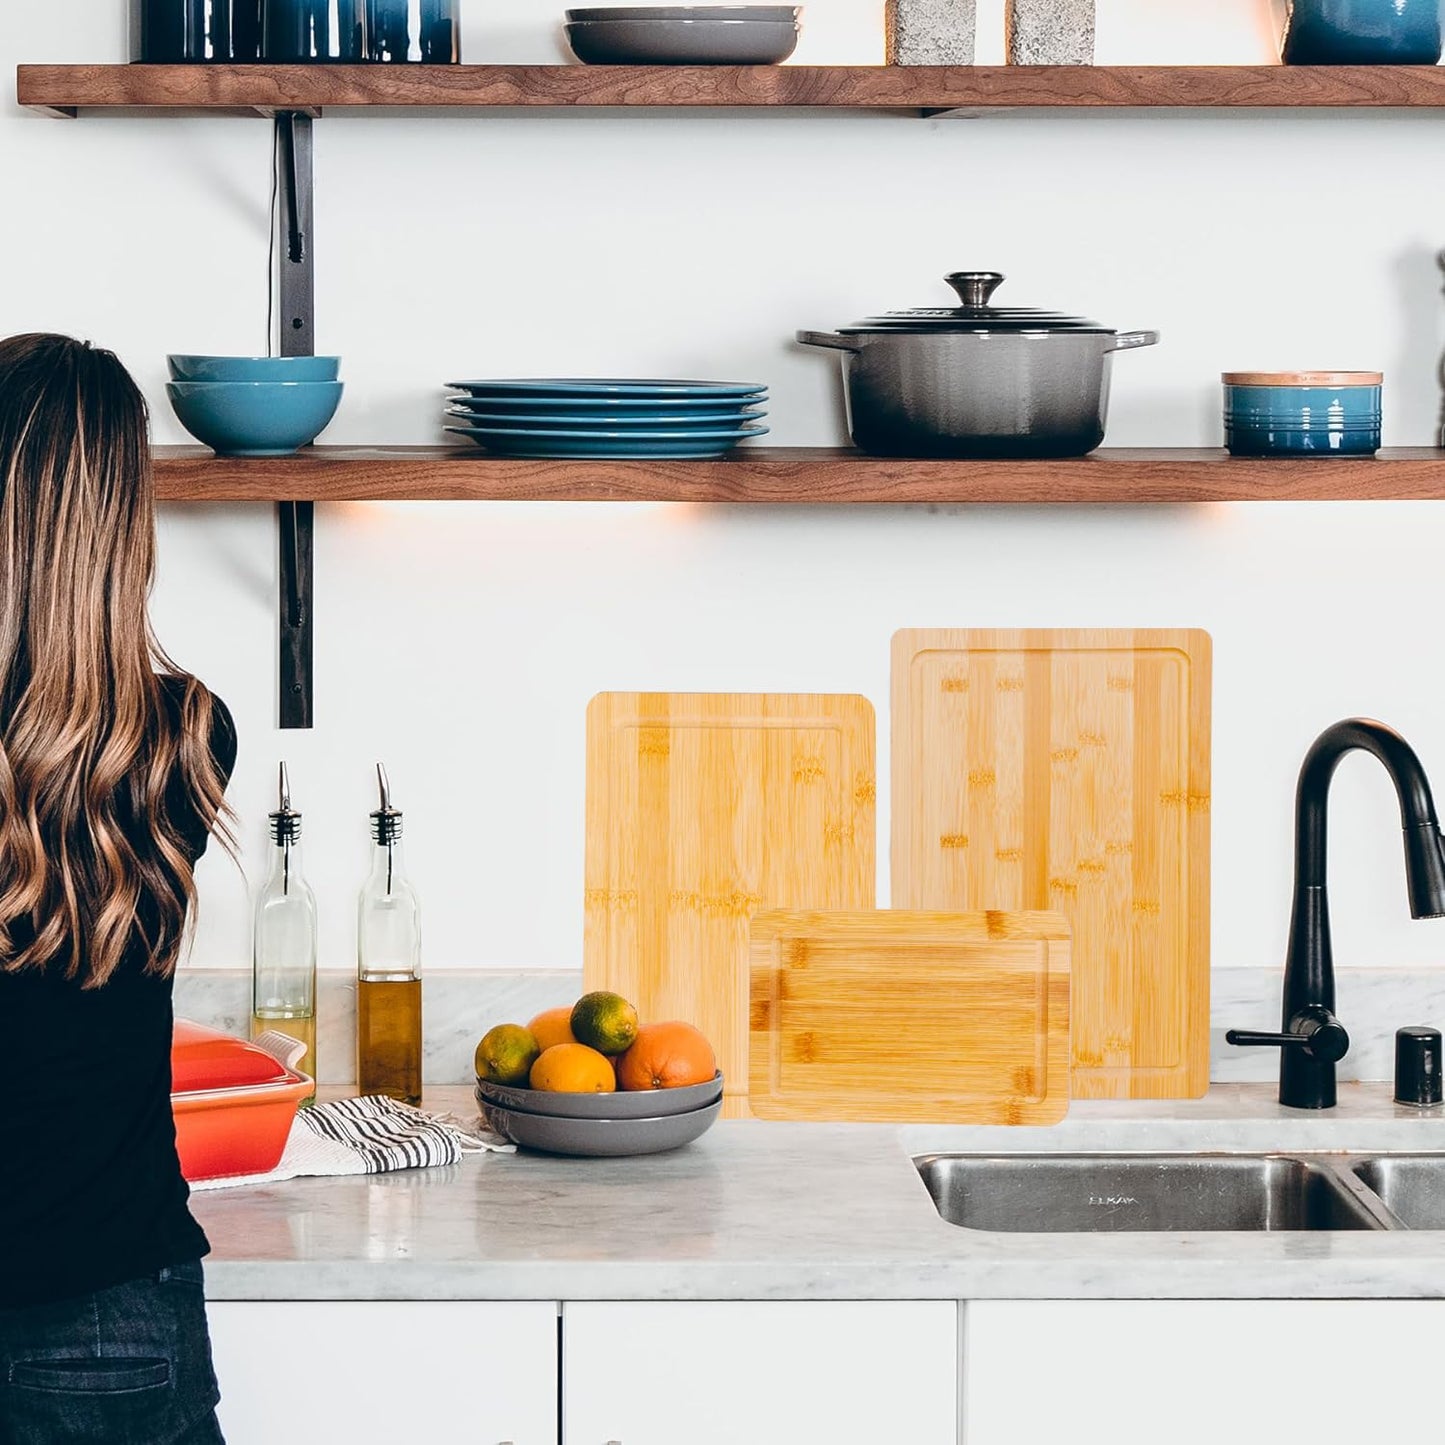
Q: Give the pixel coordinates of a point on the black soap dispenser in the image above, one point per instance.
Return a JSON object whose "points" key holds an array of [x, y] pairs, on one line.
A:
{"points": [[1417, 1067]]}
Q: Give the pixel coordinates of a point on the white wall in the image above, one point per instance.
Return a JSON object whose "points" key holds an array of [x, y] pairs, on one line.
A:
{"points": [[461, 643]]}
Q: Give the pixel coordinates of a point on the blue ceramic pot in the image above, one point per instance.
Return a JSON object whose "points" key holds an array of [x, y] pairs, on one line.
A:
{"points": [[1362, 32], [1282, 442], [1302, 413]]}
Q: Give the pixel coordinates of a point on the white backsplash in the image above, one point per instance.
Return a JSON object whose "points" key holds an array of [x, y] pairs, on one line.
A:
{"points": [[461, 1005]]}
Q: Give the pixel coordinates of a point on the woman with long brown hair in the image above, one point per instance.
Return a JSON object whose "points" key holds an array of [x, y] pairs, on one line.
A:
{"points": [[113, 765]]}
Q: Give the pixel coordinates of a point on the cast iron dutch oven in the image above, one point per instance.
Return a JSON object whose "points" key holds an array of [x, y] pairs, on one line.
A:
{"points": [[977, 380]]}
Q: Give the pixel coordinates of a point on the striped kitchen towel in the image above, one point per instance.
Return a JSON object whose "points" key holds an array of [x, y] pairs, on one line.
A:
{"points": [[372, 1135]]}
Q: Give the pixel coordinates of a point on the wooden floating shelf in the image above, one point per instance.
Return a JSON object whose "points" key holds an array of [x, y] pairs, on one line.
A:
{"points": [[311, 89], [794, 476]]}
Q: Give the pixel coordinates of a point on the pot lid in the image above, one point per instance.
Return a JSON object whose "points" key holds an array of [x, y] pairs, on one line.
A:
{"points": [[975, 289], [1328, 379], [204, 1059]]}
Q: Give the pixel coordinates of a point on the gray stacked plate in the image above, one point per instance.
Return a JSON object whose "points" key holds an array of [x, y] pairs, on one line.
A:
{"points": [[601, 1125], [684, 34], [607, 418]]}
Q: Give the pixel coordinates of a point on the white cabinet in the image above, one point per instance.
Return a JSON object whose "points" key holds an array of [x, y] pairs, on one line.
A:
{"points": [[370, 1373], [1195, 1372], [785, 1373]]}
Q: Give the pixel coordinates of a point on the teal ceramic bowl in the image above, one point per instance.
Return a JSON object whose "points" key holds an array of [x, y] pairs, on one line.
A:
{"points": [[254, 368], [1302, 413], [255, 418]]}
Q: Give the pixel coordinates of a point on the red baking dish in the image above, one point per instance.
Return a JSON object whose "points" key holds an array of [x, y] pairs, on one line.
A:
{"points": [[234, 1103]]}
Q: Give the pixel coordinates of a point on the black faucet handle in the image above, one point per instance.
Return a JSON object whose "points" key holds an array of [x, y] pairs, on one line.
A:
{"points": [[1316, 1031]]}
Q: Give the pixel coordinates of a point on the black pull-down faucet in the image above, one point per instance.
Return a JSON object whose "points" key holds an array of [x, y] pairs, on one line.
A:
{"points": [[1313, 1040]]}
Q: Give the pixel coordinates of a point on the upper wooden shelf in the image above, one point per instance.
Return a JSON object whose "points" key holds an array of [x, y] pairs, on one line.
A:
{"points": [[310, 89], [792, 476]]}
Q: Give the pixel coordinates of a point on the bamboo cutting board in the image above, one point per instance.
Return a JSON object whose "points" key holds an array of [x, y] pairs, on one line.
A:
{"points": [[1070, 770], [948, 1018], [702, 809]]}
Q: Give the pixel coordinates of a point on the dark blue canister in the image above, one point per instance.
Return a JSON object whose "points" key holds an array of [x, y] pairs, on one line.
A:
{"points": [[1302, 413], [426, 32], [1362, 32], [298, 31], [190, 32]]}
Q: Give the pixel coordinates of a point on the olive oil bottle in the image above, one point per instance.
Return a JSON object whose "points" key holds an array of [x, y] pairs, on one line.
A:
{"points": [[283, 939], [388, 965]]}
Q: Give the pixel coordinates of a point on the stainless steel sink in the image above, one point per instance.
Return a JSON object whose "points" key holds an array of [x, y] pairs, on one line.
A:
{"points": [[1412, 1187], [1101, 1193]]}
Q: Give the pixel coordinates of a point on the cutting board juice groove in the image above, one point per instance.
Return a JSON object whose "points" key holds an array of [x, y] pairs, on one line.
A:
{"points": [[703, 809], [1070, 770], [899, 1017]]}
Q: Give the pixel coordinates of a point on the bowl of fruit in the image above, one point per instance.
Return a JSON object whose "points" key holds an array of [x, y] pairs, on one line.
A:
{"points": [[592, 1080]]}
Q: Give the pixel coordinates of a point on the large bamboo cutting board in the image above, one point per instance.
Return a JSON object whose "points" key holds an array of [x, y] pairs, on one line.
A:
{"points": [[950, 1018], [1070, 770], [701, 810]]}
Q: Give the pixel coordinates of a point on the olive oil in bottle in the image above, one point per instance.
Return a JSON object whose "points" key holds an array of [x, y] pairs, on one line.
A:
{"points": [[283, 942], [388, 972]]}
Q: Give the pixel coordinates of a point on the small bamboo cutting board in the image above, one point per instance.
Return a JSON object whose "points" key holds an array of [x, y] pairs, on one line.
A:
{"points": [[945, 1018], [702, 809], [1070, 770]]}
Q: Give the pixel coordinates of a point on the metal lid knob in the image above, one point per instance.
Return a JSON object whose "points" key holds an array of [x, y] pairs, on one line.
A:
{"points": [[975, 288]]}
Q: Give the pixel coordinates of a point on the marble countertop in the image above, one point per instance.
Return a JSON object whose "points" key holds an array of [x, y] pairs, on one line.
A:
{"points": [[815, 1211]]}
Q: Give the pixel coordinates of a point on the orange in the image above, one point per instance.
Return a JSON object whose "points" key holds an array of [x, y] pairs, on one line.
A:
{"points": [[573, 1069], [554, 1026], [604, 1021], [667, 1056]]}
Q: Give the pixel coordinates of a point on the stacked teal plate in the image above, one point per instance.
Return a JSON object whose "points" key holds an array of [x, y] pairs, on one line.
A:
{"points": [[607, 419]]}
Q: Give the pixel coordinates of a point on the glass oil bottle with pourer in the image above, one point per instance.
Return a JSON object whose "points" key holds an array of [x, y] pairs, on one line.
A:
{"points": [[388, 942], [283, 968]]}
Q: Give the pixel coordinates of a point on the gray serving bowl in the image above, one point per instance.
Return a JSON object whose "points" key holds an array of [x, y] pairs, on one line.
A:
{"points": [[634, 1104], [682, 42], [600, 1138]]}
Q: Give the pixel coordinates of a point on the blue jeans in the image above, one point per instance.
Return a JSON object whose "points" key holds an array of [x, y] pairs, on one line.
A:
{"points": [[129, 1365]]}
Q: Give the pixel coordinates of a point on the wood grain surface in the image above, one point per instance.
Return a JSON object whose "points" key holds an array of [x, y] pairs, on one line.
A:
{"points": [[1070, 770], [702, 809], [265, 89], [947, 1018], [793, 476]]}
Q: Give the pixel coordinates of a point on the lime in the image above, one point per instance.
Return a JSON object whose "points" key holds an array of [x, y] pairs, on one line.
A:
{"points": [[605, 1022], [506, 1054]]}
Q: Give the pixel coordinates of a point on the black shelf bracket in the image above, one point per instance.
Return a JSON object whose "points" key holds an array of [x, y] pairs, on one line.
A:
{"points": [[294, 303]]}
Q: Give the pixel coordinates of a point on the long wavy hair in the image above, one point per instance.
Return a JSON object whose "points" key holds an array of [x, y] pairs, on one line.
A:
{"points": [[91, 862]]}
